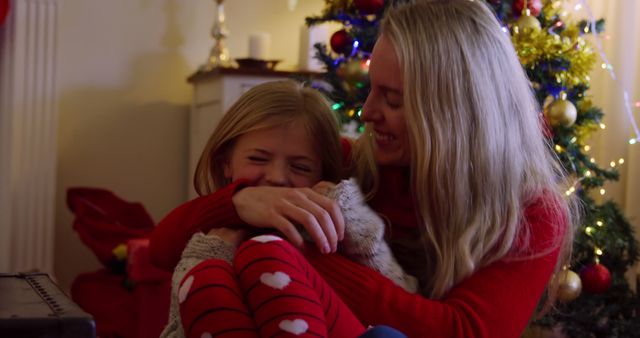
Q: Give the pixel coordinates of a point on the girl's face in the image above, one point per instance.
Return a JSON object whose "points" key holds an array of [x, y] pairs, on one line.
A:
{"points": [[277, 156], [384, 108]]}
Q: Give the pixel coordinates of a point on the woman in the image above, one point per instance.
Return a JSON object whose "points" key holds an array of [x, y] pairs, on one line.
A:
{"points": [[454, 157]]}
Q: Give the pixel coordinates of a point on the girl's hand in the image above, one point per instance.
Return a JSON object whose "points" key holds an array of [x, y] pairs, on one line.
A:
{"points": [[231, 236], [281, 208]]}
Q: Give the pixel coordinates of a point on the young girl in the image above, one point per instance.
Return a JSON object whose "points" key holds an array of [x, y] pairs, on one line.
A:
{"points": [[278, 134]]}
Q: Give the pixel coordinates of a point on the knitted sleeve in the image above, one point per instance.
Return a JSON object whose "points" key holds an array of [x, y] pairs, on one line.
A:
{"points": [[200, 247], [364, 241]]}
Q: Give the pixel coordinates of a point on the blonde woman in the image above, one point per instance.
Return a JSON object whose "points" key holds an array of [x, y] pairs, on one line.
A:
{"points": [[455, 159]]}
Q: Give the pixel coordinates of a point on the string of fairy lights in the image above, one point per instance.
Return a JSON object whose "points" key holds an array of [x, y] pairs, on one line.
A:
{"points": [[606, 65]]}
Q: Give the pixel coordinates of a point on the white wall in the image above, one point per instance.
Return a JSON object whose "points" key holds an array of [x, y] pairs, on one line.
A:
{"points": [[122, 66]]}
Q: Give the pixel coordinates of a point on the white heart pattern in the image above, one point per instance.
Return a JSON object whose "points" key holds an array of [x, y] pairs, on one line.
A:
{"points": [[278, 280], [184, 289], [266, 238], [297, 327]]}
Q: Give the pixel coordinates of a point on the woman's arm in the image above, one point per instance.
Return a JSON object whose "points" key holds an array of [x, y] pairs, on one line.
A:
{"points": [[497, 301], [236, 206], [171, 235]]}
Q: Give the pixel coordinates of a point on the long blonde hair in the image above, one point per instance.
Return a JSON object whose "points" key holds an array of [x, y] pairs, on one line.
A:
{"points": [[268, 105], [478, 155]]}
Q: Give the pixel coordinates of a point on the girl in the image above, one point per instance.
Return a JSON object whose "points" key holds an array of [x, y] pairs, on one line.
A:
{"points": [[270, 137]]}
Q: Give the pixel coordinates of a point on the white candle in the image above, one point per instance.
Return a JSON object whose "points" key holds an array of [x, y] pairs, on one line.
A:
{"points": [[259, 46]]}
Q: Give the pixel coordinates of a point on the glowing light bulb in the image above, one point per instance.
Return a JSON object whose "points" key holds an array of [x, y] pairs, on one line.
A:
{"points": [[587, 148], [598, 252], [603, 126], [612, 164], [602, 191], [588, 173], [600, 223]]}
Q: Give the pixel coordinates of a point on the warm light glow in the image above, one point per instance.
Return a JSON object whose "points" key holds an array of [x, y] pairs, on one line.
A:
{"points": [[589, 230], [621, 161], [638, 104], [558, 148], [602, 192], [574, 139], [578, 7], [592, 160], [603, 65], [572, 189], [599, 223], [598, 252], [603, 126], [588, 173], [368, 62], [632, 141], [612, 164], [559, 24], [587, 148]]}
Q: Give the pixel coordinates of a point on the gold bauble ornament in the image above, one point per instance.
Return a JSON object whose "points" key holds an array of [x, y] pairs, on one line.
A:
{"points": [[353, 71], [527, 23], [561, 112], [569, 285]]}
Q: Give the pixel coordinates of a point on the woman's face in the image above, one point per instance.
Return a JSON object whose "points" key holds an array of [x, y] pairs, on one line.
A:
{"points": [[384, 108]]}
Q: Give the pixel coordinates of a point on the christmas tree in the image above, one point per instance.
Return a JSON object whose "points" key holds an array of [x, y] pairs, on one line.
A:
{"points": [[595, 298]]}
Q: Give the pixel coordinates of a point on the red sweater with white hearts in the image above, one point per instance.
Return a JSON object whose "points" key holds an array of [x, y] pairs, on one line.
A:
{"points": [[496, 301]]}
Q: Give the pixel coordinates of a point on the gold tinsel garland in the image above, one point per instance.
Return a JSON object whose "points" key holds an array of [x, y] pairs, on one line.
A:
{"points": [[534, 47]]}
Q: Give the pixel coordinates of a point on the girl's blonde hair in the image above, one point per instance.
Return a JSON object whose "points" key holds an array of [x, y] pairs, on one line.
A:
{"points": [[268, 105], [478, 155]]}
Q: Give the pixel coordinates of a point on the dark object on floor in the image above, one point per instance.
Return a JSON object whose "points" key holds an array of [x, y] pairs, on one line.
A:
{"points": [[33, 306], [382, 331]]}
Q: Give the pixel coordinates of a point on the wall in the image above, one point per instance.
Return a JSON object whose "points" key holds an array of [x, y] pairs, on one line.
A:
{"points": [[123, 98]]}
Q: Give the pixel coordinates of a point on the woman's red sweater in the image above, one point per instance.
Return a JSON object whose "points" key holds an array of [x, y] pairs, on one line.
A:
{"points": [[496, 301]]}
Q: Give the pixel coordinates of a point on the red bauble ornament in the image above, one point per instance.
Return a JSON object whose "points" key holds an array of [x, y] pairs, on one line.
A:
{"points": [[4, 10], [535, 6], [367, 7], [341, 42], [596, 278]]}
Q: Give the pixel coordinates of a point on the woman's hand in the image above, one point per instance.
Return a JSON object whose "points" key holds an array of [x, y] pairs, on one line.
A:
{"points": [[231, 236], [281, 208]]}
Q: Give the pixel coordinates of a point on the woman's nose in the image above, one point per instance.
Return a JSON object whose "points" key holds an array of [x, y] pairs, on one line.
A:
{"points": [[369, 111]]}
